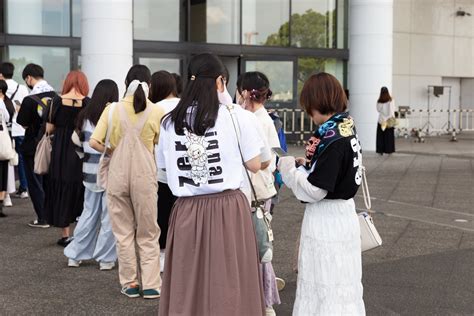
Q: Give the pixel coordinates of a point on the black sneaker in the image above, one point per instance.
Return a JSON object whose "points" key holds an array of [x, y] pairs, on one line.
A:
{"points": [[64, 241], [2, 214], [38, 224]]}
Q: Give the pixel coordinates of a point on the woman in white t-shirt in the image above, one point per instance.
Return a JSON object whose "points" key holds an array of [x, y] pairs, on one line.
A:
{"points": [[211, 254], [163, 93], [385, 132], [253, 91]]}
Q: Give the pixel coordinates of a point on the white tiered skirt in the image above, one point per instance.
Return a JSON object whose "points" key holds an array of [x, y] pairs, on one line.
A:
{"points": [[329, 261]]}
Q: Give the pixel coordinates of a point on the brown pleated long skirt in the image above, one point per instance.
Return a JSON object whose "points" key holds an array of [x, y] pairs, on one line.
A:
{"points": [[211, 266]]}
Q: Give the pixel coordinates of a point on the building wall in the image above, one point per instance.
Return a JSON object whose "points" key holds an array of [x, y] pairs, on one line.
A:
{"points": [[433, 46]]}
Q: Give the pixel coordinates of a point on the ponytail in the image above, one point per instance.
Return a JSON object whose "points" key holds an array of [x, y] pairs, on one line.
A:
{"points": [[139, 100]]}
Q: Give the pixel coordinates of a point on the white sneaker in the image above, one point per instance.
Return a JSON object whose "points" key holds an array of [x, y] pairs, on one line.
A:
{"points": [[269, 311], [280, 283], [24, 195], [73, 263], [162, 260], [105, 266], [7, 202]]}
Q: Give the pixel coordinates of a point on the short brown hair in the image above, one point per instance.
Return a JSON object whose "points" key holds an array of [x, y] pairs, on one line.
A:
{"points": [[322, 92]]}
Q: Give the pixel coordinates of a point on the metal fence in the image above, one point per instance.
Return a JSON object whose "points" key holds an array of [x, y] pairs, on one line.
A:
{"points": [[298, 126]]}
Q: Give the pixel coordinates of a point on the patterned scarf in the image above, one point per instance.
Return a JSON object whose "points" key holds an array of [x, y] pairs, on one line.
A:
{"points": [[340, 125]]}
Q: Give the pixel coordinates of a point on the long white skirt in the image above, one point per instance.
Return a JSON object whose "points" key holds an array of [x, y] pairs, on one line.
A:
{"points": [[329, 261]]}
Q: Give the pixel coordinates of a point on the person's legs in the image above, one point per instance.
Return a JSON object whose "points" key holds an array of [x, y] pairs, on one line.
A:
{"points": [[144, 199], [21, 166], [85, 234], [123, 226], [35, 187], [105, 251]]}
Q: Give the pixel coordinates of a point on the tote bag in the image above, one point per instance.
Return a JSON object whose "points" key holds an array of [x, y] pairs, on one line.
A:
{"points": [[104, 162], [43, 150], [7, 150]]}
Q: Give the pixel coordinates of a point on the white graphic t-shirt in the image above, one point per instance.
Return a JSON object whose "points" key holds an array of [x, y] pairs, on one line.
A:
{"points": [[168, 105], [197, 165]]}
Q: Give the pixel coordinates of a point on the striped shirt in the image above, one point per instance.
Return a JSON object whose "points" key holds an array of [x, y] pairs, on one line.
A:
{"points": [[90, 163]]}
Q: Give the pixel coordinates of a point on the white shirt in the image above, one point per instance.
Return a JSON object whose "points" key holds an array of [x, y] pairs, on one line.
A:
{"points": [[263, 180], [4, 112], [198, 165], [168, 105], [17, 130], [386, 110]]}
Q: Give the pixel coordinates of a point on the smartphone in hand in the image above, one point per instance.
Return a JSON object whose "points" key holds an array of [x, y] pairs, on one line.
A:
{"points": [[279, 152]]}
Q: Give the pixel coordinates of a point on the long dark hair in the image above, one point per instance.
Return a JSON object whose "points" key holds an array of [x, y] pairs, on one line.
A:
{"points": [[105, 92], [8, 103], [257, 84], [142, 74], [200, 94], [162, 85], [384, 96]]}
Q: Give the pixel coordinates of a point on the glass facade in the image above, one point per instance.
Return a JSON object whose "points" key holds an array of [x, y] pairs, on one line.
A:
{"points": [[280, 75], [214, 21], [272, 30], [38, 17], [156, 20], [285, 39], [54, 60], [156, 64]]}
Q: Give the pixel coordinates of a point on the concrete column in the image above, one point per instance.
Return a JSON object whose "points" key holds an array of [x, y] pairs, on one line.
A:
{"points": [[370, 63], [107, 40]]}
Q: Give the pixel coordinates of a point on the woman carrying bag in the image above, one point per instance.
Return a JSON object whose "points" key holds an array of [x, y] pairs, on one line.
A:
{"points": [[6, 116], [329, 264], [132, 184], [211, 254], [386, 123], [93, 237]]}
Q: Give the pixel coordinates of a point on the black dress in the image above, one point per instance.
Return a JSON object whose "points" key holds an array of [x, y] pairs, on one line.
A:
{"points": [[64, 196], [385, 140]]}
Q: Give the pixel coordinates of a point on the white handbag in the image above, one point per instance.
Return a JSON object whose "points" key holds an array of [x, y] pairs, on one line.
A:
{"points": [[369, 235], [7, 151]]}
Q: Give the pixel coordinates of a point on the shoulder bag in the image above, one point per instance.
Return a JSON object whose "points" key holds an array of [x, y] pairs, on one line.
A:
{"points": [[104, 162], [370, 237], [261, 219], [43, 149], [7, 149]]}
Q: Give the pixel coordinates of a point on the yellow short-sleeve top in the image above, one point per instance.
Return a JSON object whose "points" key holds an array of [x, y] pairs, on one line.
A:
{"points": [[150, 131]]}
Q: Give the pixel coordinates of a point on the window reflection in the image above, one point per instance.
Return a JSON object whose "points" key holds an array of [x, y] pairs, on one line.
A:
{"points": [[308, 66], [320, 15], [265, 22], [76, 18], [280, 75], [38, 17], [54, 60], [156, 20], [156, 64], [215, 21]]}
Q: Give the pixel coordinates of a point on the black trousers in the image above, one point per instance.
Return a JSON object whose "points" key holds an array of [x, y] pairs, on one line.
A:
{"points": [[166, 201], [35, 187], [385, 140]]}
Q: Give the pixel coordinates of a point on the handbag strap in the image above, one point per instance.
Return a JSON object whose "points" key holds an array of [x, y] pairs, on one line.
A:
{"points": [[365, 190], [236, 125], [109, 127]]}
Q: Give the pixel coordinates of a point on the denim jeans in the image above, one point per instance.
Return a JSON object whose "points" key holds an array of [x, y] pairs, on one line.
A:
{"points": [[21, 164]]}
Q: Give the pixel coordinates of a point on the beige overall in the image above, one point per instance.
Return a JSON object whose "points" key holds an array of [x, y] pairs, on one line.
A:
{"points": [[132, 201]]}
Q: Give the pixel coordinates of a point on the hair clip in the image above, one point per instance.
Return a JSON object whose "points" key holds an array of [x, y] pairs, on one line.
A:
{"points": [[193, 77]]}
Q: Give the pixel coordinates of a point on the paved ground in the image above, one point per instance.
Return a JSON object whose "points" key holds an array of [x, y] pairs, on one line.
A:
{"points": [[424, 212]]}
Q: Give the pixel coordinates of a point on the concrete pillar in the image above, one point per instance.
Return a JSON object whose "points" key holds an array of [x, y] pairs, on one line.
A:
{"points": [[107, 40], [370, 62]]}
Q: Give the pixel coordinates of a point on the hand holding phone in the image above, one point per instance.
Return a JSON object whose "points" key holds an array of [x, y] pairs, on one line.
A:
{"points": [[279, 152]]}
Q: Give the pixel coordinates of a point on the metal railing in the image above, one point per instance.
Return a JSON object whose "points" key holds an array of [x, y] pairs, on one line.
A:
{"points": [[298, 126], [435, 122]]}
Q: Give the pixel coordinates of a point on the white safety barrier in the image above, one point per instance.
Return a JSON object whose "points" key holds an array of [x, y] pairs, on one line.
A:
{"points": [[299, 127], [435, 122]]}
